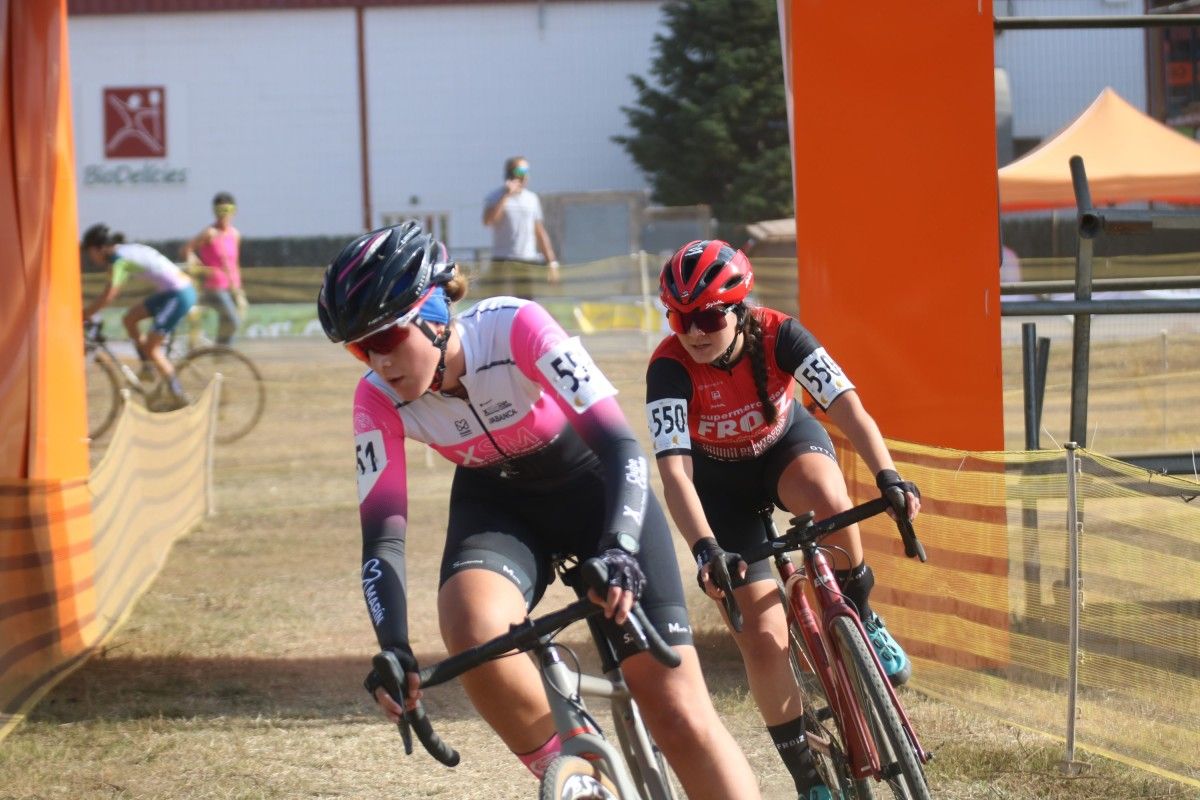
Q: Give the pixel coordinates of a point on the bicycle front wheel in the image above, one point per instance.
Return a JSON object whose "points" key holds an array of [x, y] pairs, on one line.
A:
{"points": [[103, 380], [574, 778], [243, 393], [820, 726], [901, 767]]}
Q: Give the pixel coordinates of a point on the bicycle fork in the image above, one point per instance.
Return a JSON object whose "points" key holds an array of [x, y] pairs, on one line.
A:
{"points": [[577, 731]]}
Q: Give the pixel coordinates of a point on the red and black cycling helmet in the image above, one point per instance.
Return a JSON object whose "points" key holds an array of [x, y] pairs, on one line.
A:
{"points": [[379, 277], [706, 273]]}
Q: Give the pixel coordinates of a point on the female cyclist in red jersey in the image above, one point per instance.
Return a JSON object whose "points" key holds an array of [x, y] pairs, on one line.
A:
{"points": [[546, 466], [731, 443]]}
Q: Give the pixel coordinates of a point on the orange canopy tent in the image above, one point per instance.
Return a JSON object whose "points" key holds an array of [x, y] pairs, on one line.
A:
{"points": [[1128, 157]]}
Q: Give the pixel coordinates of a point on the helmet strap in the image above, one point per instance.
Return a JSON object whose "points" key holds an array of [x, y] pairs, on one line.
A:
{"points": [[725, 360], [439, 341]]}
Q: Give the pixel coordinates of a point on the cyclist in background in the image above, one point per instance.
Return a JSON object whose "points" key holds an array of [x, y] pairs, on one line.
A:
{"points": [[174, 295], [731, 444], [216, 247], [546, 466]]}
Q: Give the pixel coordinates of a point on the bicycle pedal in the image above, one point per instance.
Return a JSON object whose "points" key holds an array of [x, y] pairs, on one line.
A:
{"points": [[825, 714]]}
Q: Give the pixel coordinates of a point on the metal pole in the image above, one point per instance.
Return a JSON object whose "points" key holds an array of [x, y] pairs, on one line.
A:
{"points": [[1074, 587], [1083, 291], [1029, 371], [1030, 556], [1116, 21], [647, 302]]}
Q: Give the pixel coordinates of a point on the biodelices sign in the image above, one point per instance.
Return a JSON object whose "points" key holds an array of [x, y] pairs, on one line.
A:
{"points": [[135, 134]]}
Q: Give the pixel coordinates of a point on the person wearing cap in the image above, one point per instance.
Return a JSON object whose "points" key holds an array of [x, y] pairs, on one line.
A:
{"points": [[521, 248], [215, 250]]}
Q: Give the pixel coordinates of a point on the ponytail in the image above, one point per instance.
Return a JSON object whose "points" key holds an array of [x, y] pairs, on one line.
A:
{"points": [[758, 362]]}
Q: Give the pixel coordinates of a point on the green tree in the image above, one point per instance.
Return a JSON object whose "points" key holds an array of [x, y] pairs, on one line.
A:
{"points": [[710, 124]]}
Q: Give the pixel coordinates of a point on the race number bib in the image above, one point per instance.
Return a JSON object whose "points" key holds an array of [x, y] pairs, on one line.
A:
{"points": [[370, 459], [574, 375], [668, 424], [822, 377]]}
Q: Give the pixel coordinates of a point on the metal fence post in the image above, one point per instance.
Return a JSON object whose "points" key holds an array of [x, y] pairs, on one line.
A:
{"points": [[647, 302], [1075, 588]]}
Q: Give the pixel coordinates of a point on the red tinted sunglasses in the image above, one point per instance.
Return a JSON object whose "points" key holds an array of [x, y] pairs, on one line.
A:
{"points": [[710, 320], [382, 342]]}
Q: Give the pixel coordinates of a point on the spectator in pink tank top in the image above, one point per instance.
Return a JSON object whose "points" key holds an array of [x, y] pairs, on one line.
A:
{"points": [[216, 249]]}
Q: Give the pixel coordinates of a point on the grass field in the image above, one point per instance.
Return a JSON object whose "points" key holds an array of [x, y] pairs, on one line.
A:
{"points": [[238, 675]]}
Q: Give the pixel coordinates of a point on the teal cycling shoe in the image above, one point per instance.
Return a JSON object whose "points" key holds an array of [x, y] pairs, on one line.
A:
{"points": [[817, 793], [891, 654]]}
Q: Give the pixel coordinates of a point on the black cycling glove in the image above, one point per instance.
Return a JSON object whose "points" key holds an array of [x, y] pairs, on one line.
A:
{"points": [[408, 663], [887, 478], [707, 551], [624, 572]]}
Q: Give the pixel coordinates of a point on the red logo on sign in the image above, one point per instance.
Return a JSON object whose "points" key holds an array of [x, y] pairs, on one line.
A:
{"points": [[135, 122]]}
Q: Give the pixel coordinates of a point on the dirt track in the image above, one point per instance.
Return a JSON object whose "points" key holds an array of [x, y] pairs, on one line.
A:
{"points": [[238, 674]]}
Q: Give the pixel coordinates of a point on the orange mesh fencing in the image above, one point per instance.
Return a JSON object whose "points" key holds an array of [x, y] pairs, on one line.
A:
{"points": [[986, 619], [76, 556]]}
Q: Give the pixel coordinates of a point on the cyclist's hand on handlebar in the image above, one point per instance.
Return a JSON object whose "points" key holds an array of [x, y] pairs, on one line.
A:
{"points": [[715, 568], [625, 584], [887, 478], [374, 684]]}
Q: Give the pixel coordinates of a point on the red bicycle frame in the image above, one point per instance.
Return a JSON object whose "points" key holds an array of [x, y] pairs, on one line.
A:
{"points": [[860, 746]]}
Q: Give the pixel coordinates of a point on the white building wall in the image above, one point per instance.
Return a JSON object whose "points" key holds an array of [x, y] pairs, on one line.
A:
{"points": [[260, 104], [455, 91], [265, 105], [1055, 74]]}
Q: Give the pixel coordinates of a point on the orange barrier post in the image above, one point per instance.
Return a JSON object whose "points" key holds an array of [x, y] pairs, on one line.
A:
{"points": [[898, 257], [896, 216], [47, 599]]}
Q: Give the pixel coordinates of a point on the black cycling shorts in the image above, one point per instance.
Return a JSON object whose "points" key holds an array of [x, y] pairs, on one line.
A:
{"points": [[736, 494], [517, 532]]}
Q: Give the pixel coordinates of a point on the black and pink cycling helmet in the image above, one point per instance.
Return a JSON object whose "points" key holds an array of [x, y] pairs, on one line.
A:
{"points": [[379, 277]]}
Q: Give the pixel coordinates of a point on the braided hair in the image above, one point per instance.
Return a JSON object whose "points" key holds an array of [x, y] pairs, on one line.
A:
{"points": [[752, 330]]}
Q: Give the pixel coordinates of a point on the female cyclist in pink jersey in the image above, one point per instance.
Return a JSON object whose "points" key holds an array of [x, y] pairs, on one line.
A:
{"points": [[731, 443], [546, 466]]}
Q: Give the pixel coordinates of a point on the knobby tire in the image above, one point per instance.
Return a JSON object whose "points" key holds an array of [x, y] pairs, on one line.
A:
{"points": [[890, 738], [574, 778]]}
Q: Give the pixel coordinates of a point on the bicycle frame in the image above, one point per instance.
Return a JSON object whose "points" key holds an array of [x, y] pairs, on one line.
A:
{"points": [[578, 733], [863, 756]]}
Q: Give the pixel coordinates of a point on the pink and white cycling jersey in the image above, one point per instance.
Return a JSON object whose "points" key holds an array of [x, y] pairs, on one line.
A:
{"points": [[537, 411]]}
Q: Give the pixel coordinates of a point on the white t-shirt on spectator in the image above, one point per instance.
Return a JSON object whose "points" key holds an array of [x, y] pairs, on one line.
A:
{"points": [[513, 233]]}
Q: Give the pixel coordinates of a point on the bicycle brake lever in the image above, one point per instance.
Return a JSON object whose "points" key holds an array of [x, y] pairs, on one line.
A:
{"points": [[912, 545], [718, 573], [391, 676]]}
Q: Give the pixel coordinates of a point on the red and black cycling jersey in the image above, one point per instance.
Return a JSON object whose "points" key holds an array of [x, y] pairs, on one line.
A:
{"points": [[717, 411]]}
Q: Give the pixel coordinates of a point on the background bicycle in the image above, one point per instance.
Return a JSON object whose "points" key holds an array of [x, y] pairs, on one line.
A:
{"points": [[243, 391], [856, 725], [589, 766]]}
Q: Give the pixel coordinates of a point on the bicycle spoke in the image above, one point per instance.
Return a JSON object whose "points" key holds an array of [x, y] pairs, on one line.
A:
{"points": [[243, 393], [103, 383]]}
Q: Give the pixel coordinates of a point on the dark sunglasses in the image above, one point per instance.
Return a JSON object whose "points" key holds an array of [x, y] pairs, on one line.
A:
{"points": [[382, 342], [710, 320]]}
